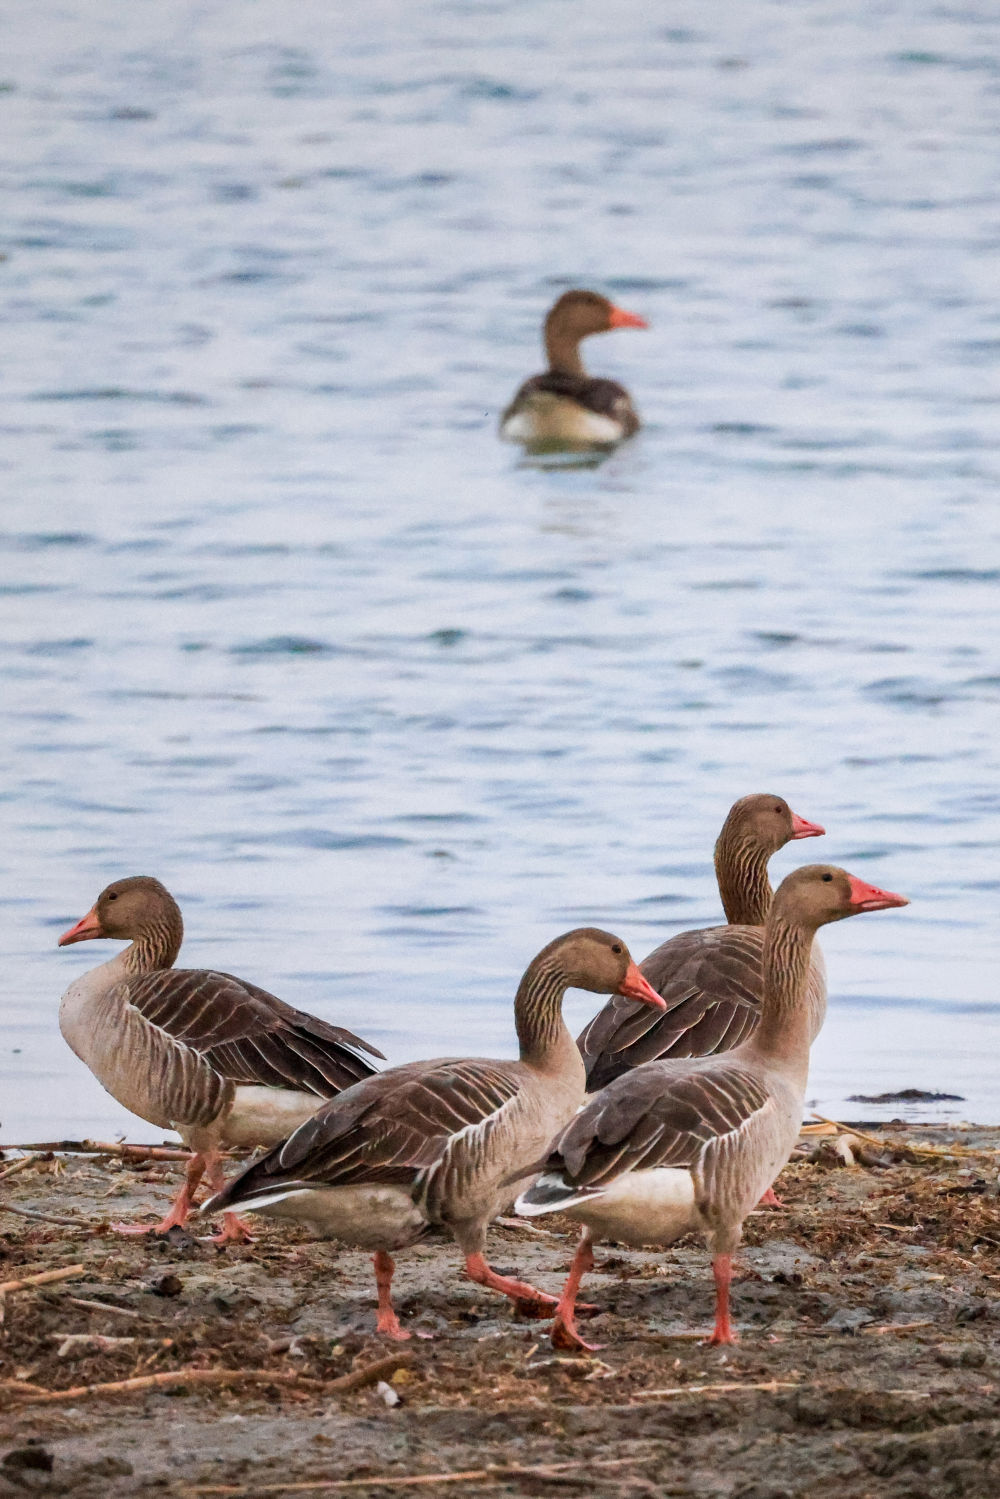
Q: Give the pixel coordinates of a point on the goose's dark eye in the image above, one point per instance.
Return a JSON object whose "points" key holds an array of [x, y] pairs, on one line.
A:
{"points": [[828, 878], [779, 809], [112, 895], [616, 947]]}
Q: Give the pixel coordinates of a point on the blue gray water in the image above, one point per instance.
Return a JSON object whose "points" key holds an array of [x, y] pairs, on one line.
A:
{"points": [[386, 707]]}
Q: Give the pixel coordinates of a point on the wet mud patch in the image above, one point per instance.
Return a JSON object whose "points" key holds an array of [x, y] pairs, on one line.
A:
{"points": [[868, 1307]]}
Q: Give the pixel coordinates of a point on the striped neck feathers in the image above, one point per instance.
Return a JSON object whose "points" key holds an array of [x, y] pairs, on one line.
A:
{"points": [[784, 1009], [538, 1010], [741, 870], [156, 946]]}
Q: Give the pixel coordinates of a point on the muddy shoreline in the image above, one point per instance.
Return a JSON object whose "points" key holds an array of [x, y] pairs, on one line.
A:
{"points": [[868, 1307]]}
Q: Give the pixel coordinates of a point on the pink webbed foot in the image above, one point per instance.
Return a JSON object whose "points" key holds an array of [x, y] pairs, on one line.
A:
{"points": [[770, 1199], [234, 1231], [564, 1334], [387, 1325], [721, 1335], [135, 1229], [527, 1299], [180, 1208]]}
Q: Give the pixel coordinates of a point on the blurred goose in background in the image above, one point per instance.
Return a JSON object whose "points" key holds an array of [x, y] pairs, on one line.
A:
{"points": [[435, 1142], [203, 1053], [566, 406], [710, 980], [690, 1145]]}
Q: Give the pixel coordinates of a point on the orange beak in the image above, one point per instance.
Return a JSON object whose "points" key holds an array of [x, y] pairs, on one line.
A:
{"points": [[619, 318], [634, 986], [871, 898], [803, 829], [88, 926]]}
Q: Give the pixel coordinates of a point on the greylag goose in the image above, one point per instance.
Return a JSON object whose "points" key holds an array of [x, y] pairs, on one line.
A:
{"points": [[710, 980], [690, 1145], [211, 1056], [434, 1142], [566, 405]]}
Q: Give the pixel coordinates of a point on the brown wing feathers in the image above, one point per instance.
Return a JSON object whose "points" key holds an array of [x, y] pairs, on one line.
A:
{"points": [[247, 1035], [711, 983], [389, 1129], [654, 1118]]}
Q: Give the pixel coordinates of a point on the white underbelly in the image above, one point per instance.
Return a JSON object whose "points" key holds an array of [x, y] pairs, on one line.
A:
{"points": [[549, 418], [369, 1217], [642, 1207], [266, 1116]]}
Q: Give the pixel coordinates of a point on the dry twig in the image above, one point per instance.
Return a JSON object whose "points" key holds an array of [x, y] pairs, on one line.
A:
{"points": [[42, 1278], [932, 1152], [9, 1207], [769, 1386], [111, 1148], [413, 1480], [21, 1165], [891, 1327], [215, 1378], [104, 1306]]}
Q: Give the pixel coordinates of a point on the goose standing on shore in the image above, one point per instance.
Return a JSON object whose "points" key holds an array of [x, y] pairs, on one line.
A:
{"points": [[435, 1142], [211, 1056], [690, 1145], [711, 979], [565, 405]]}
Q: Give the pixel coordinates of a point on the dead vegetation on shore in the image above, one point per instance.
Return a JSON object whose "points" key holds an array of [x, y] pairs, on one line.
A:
{"points": [[869, 1309]]}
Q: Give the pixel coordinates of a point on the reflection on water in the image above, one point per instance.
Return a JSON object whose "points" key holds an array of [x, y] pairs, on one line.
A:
{"points": [[386, 706]]}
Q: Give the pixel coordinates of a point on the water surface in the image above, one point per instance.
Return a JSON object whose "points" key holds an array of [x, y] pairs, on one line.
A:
{"points": [[386, 708]]}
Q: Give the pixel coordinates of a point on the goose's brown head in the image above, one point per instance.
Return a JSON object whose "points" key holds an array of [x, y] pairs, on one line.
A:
{"points": [[817, 894], [577, 314], [124, 910], [591, 959], [766, 822]]}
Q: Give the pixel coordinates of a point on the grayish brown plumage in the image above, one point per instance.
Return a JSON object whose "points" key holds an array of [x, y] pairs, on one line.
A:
{"points": [[565, 405], [681, 1145], [710, 980], [214, 1057], [433, 1142]]}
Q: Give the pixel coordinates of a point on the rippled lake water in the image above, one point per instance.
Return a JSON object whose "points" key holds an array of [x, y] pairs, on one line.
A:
{"points": [[387, 708]]}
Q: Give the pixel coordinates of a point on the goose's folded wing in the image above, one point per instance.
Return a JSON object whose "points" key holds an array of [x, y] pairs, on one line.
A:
{"points": [[247, 1035], [389, 1129], [711, 983], [654, 1117]]}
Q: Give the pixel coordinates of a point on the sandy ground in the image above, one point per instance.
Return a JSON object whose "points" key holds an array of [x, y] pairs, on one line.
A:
{"points": [[869, 1365]]}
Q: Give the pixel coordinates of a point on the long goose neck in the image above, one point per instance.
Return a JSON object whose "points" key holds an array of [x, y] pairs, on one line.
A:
{"points": [[538, 1020], [157, 944], [741, 870], [562, 350], [784, 1029]]}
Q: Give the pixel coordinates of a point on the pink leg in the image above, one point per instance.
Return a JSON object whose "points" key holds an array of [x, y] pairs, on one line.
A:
{"points": [[179, 1208], [388, 1322], [770, 1200], [722, 1269], [527, 1300], [234, 1230], [564, 1333]]}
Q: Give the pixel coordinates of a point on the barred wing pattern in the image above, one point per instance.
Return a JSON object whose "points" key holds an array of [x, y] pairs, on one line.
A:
{"points": [[246, 1035], [405, 1127], [659, 1116], [711, 981]]}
